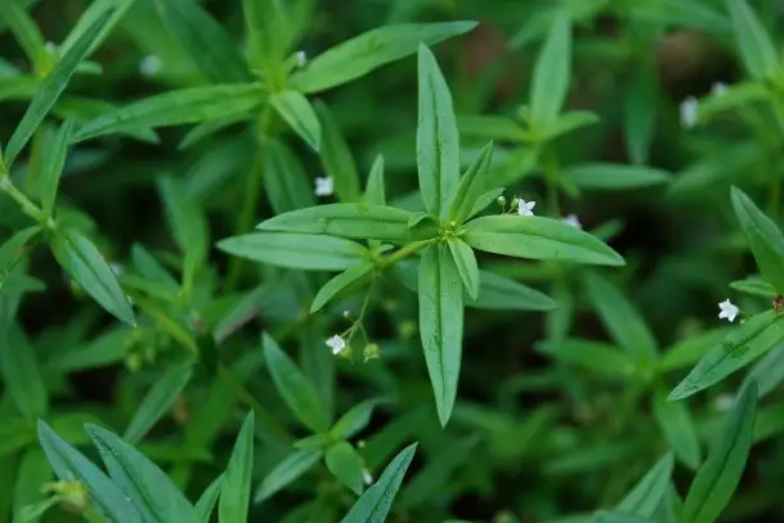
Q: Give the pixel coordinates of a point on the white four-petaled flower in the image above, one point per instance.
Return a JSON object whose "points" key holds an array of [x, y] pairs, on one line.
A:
{"points": [[525, 208], [324, 186], [728, 310], [302, 58], [573, 220], [337, 344], [689, 112], [367, 477]]}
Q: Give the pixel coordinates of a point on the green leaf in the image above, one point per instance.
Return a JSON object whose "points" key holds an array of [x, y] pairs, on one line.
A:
{"points": [[374, 505], [346, 465], [296, 110], [348, 279], [93, 12], [438, 145], [206, 503], [53, 165], [741, 346], [765, 239], [639, 122], [621, 319], [235, 490], [268, 31], [717, 479], [736, 97], [354, 420], [158, 401], [441, 324], [336, 157], [471, 186], [70, 465], [755, 286], [297, 251], [605, 176], [26, 33], [692, 348], [177, 107], [21, 372], [490, 127], [205, 40], [551, 72], [485, 200], [756, 48], [286, 472], [350, 220], [82, 261], [612, 516], [33, 472], [647, 494], [768, 372], [677, 424], [362, 54], [14, 249], [285, 181], [594, 356], [149, 489], [566, 123], [296, 390], [51, 88], [465, 261], [374, 191], [538, 238], [500, 293]]}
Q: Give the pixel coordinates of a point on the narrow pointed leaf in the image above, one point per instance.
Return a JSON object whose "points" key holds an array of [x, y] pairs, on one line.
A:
{"points": [[53, 165], [538, 238], [296, 110], [268, 31], [69, 465], [645, 497], [465, 260], [362, 54], [676, 422], [375, 193], [438, 146], [551, 72], [717, 479], [354, 420], [296, 390], [350, 278], [441, 300], [21, 373], [297, 251], [501, 293], [756, 48], [336, 156], [613, 177], [158, 402], [764, 237], [345, 464], [286, 472], [471, 186], [82, 261], [206, 503], [235, 488], [374, 505], [51, 88], [285, 180], [93, 12]]}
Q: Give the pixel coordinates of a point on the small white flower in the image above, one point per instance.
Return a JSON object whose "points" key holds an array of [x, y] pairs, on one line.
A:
{"points": [[525, 208], [337, 344], [724, 402], [689, 112], [324, 186], [367, 477], [573, 220], [718, 89], [50, 47], [728, 310], [302, 58], [150, 65]]}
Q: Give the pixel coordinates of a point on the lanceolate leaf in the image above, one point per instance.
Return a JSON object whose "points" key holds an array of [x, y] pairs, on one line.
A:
{"points": [[608, 177], [756, 48], [438, 146], [539, 239], [287, 471], [645, 497], [465, 261], [296, 390], [343, 281], [235, 489], [296, 110], [206, 503], [551, 72], [471, 186], [93, 12], [178, 107], [350, 220], [53, 165], [360, 55], [765, 239], [69, 465], [345, 464], [717, 479], [336, 157], [207, 43], [375, 193], [51, 89], [501, 293], [285, 181], [297, 251], [268, 31], [157, 498], [374, 505], [441, 324], [82, 261], [741, 346], [21, 374], [677, 424]]}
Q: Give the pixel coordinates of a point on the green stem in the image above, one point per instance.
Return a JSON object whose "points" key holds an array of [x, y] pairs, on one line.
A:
{"points": [[27, 206], [405, 252]]}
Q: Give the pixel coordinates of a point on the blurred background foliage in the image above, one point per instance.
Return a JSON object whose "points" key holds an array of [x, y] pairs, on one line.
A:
{"points": [[533, 438]]}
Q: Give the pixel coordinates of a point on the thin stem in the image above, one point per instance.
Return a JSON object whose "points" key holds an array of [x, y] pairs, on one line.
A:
{"points": [[27, 206], [405, 252]]}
